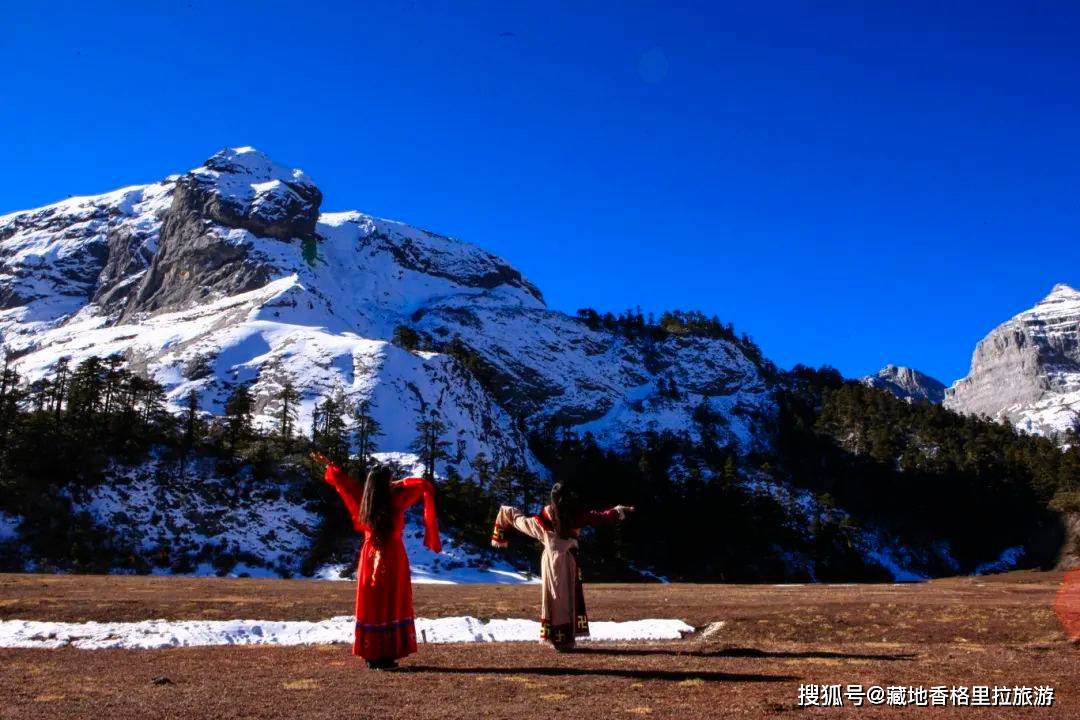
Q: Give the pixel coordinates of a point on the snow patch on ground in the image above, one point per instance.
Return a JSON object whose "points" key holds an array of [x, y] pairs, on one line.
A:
{"points": [[157, 634]]}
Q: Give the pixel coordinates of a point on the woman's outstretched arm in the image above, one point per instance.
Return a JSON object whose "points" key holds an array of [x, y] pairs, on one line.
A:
{"points": [[511, 517], [592, 518], [412, 489], [350, 490]]}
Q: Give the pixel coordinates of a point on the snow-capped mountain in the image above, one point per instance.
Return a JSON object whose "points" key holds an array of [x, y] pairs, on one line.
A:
{"points": [[232, 273], [907, 384], [1027, 370]]}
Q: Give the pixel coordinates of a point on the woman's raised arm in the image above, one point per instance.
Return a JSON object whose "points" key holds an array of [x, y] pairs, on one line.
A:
{"points": [[594, 518], [348, 488], [410, 490], [511, 517]]}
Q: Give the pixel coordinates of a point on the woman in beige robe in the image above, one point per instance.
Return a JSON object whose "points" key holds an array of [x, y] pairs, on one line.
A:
{"points": [[563, 617]]}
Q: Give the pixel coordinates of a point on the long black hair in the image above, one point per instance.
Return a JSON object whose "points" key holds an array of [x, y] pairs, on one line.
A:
{"points": [[375, 504], [565, 509]]}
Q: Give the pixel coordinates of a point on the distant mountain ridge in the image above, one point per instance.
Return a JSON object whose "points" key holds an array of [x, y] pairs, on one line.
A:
{"points": [[907, 384]]}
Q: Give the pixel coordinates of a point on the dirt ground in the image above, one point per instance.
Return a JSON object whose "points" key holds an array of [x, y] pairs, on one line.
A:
{"points": [[1008, 630]]}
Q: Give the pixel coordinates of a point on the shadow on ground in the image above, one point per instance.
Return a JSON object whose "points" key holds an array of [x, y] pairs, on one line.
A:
{"points": [[671, 675], [739, 652]]}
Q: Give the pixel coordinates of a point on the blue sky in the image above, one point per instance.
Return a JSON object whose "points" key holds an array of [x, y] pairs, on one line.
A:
{"points": [[850, 183]]}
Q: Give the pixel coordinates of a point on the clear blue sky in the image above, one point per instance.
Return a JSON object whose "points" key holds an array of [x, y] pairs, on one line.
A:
{"points": [[851, 183]]}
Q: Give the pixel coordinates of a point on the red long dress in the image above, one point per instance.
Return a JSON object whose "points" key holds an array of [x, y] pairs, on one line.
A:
{"points": [[384, 608]]}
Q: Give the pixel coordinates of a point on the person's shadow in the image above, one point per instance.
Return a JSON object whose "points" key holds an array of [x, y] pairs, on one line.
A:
{"points": [[671, 675], [741, 652]]}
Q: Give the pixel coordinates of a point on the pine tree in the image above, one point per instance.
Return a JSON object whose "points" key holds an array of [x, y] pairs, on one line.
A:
{"points": [[238, 416], [731, 471], [86, 393], [40, 392], [531, 488], [289, 399], [192, 426], [482, 468], [365, 429], [429, 443], [114, 378], [507, 483], [60, 386], [11, 395], [328, 428]]}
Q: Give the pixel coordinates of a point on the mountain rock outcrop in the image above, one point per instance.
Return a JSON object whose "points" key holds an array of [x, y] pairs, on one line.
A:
{"points": [[907, 384], [1027, 370]]}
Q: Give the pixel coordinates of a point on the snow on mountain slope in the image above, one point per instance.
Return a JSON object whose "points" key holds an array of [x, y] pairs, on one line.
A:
{"points": [[56, 260], [1027, 370], [229, 274], [554, 370], [201, 522]]}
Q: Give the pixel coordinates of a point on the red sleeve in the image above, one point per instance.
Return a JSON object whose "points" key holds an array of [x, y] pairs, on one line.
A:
{"points": [[409, 491], [349, 489], [592, 518]]}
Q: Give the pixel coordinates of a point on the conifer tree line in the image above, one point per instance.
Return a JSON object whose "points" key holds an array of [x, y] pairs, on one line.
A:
{"points": [[67, 429], [635, 324], [631, 324], [921, 473], [917, 471]]}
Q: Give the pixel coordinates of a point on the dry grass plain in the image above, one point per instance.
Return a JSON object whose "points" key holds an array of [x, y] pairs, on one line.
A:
{"points": [[1002, 630]]}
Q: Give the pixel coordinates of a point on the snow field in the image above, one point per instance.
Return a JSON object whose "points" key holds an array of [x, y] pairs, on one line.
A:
{"points": [[159, 634]]}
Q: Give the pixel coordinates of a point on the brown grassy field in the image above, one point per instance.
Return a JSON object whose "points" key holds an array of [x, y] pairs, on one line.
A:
{"points": [[966, 631]]}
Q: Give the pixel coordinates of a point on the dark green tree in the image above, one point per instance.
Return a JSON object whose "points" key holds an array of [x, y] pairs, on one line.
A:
{"points": [[60, 385], [365, 430], [239, 409], [191, 427], [407, 338], [329, 431], [289, 399], [430, 444]]}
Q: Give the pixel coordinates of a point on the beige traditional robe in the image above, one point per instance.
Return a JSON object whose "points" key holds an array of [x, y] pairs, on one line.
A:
{"points": [[562, 602]]}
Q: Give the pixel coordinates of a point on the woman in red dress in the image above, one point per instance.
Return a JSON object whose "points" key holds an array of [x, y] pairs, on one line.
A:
{"points": [[384, 608]]}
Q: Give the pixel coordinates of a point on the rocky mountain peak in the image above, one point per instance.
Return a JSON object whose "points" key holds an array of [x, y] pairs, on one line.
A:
{"points": [[244, 188], [1027, 370], [907, 383], [199, 255], [1063, 291], [249, 162]]}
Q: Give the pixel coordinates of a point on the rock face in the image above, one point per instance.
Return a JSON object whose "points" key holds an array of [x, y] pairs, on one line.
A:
{"points": [[200, 254], [1027, 370], [232, 273], [243, 188], [907, 384]]}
